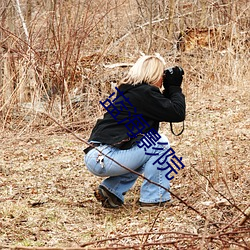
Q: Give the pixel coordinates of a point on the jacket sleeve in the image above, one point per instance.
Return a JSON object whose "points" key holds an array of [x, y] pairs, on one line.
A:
{"points": [[169, 107]]}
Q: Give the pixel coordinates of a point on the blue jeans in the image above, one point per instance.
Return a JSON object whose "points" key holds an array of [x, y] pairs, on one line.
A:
{"points": [[120, 180]]}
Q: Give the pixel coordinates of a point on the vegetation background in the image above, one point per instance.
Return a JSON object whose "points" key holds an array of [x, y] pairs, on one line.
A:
{"points": [[58, 59]]}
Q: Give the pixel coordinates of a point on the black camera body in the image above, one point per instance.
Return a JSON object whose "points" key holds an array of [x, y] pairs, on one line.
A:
{"points": [[173, 76], [169, 70]]}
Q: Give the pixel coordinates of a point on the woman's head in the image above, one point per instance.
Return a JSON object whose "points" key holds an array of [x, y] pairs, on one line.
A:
{"points": [[148, 69]]}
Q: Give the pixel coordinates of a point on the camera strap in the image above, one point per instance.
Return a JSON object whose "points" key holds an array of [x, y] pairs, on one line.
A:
{"points": [[171, 127]]}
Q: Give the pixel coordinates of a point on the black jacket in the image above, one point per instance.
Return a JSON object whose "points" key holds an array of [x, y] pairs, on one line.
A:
{"points": [[149, 102]]}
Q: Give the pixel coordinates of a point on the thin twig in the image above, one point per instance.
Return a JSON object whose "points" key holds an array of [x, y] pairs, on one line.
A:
{"points": [[140, 234], [234, 205], [156, 217], [234, 220]]}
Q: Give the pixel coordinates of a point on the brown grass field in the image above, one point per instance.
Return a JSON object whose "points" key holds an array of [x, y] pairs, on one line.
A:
{"points": [[62, 68]]}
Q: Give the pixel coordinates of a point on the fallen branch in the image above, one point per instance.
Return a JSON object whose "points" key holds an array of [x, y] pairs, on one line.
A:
{"points": [[115, 65], [39, 248], [176, 237]]}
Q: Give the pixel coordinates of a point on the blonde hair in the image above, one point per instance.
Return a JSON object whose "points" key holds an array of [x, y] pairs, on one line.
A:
{"points": [[148, 69]]}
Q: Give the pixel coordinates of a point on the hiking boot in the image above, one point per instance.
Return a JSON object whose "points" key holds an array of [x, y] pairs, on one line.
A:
{"points": [[150, 206], [107, 199]]}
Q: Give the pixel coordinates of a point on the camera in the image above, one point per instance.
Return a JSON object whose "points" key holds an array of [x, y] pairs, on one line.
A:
{"points": [[173, 76], [171, 70]]}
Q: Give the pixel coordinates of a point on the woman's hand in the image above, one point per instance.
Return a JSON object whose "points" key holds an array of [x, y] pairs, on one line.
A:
{"points": [[173, 77]]}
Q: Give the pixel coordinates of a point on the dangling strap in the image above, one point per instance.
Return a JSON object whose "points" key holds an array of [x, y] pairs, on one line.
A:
{"points": [[171, 126]]}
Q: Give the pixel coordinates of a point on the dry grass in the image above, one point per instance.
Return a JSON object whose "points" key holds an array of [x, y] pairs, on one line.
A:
{"points": [[46, 194]]}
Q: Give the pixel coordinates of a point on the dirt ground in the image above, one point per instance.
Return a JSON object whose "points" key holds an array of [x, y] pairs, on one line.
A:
{"points": [[46, 192]]}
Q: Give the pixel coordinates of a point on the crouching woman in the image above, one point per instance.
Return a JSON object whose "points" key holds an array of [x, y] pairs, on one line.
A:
{"points": [[128, 133]]}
